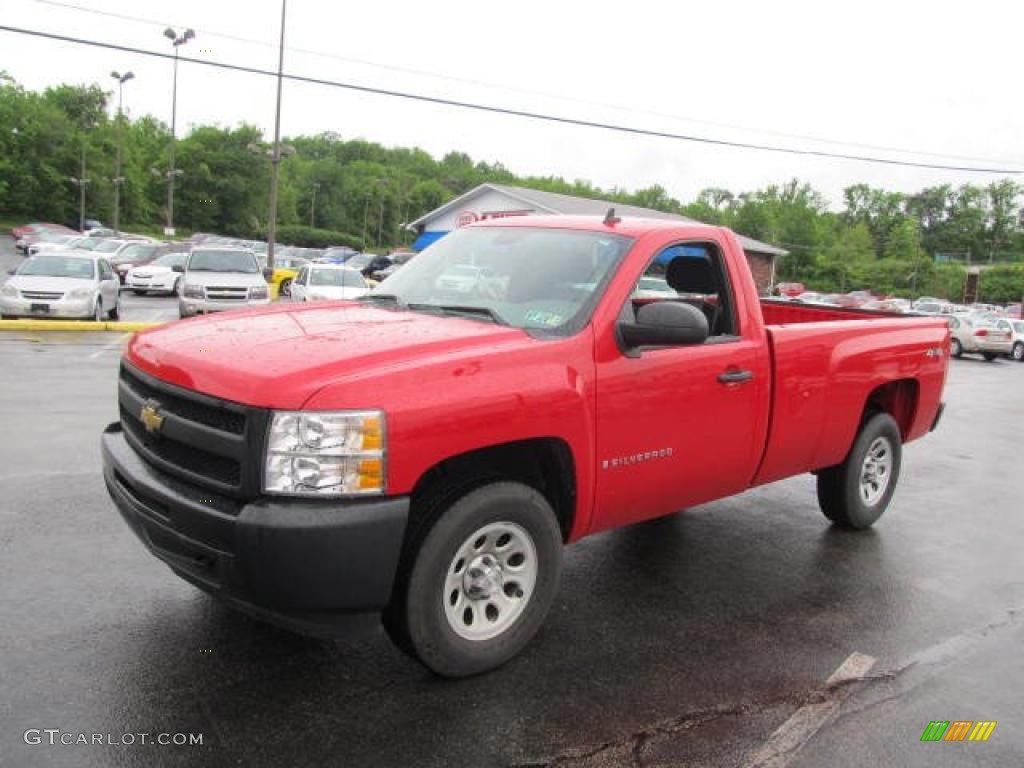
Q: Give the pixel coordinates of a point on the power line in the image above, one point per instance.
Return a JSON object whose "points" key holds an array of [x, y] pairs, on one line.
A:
{"points": [[526, 91], [616, 127]]}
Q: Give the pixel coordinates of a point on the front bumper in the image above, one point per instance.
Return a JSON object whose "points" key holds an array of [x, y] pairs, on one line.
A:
{"points": [[156, 283], [72, 309], [303, 564], [188, 307]]}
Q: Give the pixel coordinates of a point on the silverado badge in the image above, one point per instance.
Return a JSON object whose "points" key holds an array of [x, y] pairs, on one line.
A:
{"points": [[150, 416]]}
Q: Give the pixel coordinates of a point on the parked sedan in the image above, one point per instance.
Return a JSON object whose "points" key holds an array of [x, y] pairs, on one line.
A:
{"points": [[157, 276], [969, 334], [325, 282], [61, 285], [135, 254]]}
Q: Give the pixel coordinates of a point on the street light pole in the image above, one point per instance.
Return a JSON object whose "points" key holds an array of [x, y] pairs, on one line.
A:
{"points": [[275, 158], [81, 183], [312, 205], [118, 178], [177, 41]]}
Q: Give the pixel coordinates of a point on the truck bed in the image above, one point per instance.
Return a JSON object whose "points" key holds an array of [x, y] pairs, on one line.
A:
{"points": [[828, 363]]}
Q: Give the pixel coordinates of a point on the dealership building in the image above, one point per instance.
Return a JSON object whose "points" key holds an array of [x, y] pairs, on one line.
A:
{"points": [[494, 201]]}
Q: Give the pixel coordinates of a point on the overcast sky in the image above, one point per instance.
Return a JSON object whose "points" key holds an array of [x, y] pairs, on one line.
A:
{"points": [[931, 77]]}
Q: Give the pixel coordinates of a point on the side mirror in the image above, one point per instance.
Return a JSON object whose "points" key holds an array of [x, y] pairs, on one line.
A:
{"points": [[178, 268], [268, 274], [665, 323], [12, 271]]}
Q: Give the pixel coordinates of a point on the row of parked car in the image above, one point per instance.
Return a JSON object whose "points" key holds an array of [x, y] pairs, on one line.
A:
{"points": [[80, 274], [984, 329]]}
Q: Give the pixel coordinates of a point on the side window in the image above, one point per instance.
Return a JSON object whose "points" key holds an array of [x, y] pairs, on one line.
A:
{"points": [[695, 274], [301, 279], [105, 273]]}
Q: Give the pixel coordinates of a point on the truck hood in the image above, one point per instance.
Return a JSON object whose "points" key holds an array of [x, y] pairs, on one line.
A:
{"points": [[279, 357]]}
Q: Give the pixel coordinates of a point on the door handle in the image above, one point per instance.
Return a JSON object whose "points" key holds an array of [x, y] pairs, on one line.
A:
{"points": [[735, 376]]}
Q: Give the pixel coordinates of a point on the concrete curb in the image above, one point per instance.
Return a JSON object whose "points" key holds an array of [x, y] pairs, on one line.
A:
{"points": [[117, 326]]}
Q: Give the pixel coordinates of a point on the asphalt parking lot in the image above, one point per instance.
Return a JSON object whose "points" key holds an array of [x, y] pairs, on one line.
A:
{"points": [[703, 639]]}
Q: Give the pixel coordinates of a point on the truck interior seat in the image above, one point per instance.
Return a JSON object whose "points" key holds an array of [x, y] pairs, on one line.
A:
{"points": [[687, 274]]}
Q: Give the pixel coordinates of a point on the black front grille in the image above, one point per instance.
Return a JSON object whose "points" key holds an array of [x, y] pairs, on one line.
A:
{"points": [[220, 469], [212, 416], [215, 444]]}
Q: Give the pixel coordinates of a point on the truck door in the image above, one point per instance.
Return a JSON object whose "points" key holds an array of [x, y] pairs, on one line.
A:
{"points": [[678, 426]]}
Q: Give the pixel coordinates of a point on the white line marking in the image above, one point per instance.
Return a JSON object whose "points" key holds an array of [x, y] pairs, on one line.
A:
{"points": [[809, 719], [117, 342]]}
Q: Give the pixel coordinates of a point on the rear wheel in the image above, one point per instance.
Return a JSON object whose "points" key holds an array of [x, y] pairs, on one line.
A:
{"points": [[855, 493], [1017, 353], [956, 348], [480, 581]]}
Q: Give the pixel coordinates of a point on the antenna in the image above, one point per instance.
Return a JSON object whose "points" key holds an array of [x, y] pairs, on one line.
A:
{"points": [[610, 219]]}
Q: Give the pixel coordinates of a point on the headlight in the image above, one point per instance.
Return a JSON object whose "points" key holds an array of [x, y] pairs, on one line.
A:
{"points": [[8, 290], [192, 291], [327, 453], [258, 292], [79, 293]]}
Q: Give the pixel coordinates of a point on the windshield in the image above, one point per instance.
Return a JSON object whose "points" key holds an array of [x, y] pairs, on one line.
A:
{"points": [[339, 278], [84, 243], [59, 266], [547, 280], [108, 246], [135, 252], [223, 261]]}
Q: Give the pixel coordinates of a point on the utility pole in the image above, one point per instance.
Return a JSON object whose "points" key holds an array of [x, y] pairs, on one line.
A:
{"points": [[81, 182], [275, 158], [312, 206], [118, 178], [177, 41]]}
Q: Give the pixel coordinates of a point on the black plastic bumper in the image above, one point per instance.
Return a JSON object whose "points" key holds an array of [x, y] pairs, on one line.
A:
{"points": [[300, 563], [938, 416]]}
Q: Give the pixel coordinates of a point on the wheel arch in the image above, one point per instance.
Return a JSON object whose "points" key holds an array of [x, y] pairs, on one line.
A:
{"points": [[543, 463], [899, 399]]}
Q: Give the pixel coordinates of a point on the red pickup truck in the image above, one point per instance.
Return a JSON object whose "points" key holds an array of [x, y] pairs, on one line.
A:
{"points": [[427, 451]]}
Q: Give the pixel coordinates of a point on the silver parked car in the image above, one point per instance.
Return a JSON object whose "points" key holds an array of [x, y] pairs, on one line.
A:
{"points": [[217, 279], [971, 334], [62, 285], [326, 282]]}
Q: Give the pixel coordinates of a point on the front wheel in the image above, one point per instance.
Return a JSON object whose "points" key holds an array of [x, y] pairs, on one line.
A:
{"points": [[115, 313], [97, 311], [286, 288], [480, 581], [855, 493], [1017, 353], [956, 349]]}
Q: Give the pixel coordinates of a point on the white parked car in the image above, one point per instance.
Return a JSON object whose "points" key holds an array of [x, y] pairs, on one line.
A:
{"points": [[326, 282], [72, 243], [158, 276], [650, 287], [62, 285], [969, 334]]}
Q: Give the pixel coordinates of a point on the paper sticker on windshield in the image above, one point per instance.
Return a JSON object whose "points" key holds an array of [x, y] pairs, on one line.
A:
{"points": [[542, 318]]}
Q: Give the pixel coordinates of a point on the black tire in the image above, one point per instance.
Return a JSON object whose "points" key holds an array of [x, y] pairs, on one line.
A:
{"points": [[1017, 353], [956, 348], [176, 288], [115, 313], [285, 288], [417, 619], [97, 312], [841, 492], [990, 356], [138, 292]]}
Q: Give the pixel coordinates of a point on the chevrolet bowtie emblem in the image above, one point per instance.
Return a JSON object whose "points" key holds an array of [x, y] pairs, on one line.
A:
{"points": [[150, 416]]}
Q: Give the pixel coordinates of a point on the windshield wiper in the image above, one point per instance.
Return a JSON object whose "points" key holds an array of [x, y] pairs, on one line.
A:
{"points": [[485, 313]]}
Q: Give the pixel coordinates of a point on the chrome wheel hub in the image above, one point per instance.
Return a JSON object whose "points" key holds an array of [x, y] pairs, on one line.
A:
{"points": [[876, 471], [490, 581]]}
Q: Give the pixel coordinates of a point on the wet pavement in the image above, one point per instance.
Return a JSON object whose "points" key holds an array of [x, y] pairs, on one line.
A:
{"points": [[684, 641]]}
